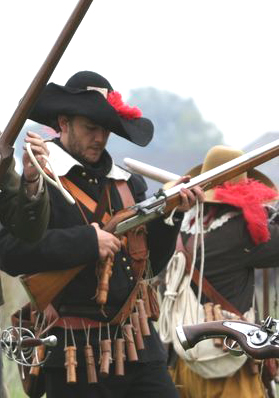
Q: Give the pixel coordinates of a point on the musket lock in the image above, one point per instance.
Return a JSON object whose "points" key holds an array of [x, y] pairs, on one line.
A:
{"points": [[258, 337]]}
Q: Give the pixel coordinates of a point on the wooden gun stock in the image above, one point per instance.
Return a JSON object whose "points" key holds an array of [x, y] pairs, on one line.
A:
{"points": [[21, 113], [43, 287]]}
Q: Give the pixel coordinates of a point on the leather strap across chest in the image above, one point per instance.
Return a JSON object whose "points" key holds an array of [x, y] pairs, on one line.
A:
{"points": [[83, 198], [137, 244]]}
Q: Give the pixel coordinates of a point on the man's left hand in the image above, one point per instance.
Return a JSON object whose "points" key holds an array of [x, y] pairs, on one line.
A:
{"points": [[189, 196]]}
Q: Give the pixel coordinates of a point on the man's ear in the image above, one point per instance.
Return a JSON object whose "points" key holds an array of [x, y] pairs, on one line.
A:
{"points": [[63, 122]]}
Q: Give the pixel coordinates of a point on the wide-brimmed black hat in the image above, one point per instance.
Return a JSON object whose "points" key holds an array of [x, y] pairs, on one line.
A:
{"points": [[91, 95]]}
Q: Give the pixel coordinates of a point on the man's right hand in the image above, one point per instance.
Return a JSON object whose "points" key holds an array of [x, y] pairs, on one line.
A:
{"points": [[108, 243], [39, 148]]}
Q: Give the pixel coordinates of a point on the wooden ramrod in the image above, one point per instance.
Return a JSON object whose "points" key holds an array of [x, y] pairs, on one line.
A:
{"points": [[43, 287]]}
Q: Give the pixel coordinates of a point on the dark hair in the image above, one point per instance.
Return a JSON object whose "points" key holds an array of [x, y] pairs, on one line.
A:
{"points": [[56, 126]]}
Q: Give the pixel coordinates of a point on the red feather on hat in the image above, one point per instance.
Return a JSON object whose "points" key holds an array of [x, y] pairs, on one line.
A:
{"points": [[249, 195], [124, 110]]}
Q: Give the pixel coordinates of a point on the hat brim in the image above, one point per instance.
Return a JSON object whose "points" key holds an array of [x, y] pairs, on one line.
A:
{"points": [[58, 100]]}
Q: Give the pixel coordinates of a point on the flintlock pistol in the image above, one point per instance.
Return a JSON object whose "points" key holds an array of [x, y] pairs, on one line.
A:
{"points": [[256, 341]]}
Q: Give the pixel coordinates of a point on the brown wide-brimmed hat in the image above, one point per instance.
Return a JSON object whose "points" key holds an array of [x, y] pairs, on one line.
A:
{"points": [[219, 155], [91, 95]]}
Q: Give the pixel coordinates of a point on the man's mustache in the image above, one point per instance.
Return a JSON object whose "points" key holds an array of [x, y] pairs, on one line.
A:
{"points": [[96, 147]]}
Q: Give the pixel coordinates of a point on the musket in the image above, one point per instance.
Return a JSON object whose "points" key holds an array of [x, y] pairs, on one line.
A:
{"points": [[43, 287], [256, 341], [23, 109]]}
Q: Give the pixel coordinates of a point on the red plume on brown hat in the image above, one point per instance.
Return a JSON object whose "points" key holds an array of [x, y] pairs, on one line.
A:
{"points": [[248, 191], [91, 95]]}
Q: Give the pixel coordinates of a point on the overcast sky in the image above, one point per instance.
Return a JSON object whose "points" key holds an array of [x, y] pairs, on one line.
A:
{"points": [[222, 53]]}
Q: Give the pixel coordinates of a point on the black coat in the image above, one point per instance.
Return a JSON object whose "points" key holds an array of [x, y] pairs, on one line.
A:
{"points": [[231, 258], [68, 242]]}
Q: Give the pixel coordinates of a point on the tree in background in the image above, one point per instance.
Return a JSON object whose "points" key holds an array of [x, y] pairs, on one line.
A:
{"points": [[181, 139], [178, 122]]}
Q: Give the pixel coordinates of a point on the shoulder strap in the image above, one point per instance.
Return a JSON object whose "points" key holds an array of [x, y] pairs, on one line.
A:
{"points": [[82, 197], [136, 240], [208, 290], [125, 193], [103, 201], [137, 247]]}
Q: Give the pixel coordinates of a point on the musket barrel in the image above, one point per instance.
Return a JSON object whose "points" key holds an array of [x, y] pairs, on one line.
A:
{"points": [[40, 80], [153, 207], [228, 170], [231, 169]]}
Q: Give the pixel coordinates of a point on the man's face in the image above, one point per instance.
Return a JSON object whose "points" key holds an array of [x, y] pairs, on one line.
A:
{"points": [[84, 139]]}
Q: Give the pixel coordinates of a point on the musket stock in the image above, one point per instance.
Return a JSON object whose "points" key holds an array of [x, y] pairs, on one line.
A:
{"points": [[158, 205], [43, 287], [22, 111]]}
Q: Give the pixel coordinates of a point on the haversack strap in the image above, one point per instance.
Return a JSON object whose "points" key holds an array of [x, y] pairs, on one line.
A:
{"points": [[208, 290]]}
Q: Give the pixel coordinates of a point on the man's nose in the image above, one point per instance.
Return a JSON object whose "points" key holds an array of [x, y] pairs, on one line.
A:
{"points": [[100, 135]]}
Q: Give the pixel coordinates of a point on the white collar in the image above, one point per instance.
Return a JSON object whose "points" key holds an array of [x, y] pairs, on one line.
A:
{"points": [[117, 173], [189, 226], [62, 162]]}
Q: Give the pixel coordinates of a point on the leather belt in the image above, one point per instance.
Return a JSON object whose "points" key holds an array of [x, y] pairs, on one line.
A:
{"points": [[75, 322], [66, 322]]}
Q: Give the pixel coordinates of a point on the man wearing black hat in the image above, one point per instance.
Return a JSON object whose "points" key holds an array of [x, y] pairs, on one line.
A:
{"points": [[85, 111]]}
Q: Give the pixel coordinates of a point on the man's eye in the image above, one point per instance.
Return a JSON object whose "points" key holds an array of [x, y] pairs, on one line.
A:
{"points": [[91, 128]]}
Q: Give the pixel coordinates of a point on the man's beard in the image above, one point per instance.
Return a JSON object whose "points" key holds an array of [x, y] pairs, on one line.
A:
{"points": [[79, 153]]}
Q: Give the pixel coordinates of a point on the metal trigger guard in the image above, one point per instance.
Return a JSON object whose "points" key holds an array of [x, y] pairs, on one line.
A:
{"points": [[230, 347]]}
